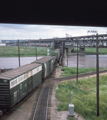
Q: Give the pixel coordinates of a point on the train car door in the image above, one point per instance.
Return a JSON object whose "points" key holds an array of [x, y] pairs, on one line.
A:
{"points": [[29, 82], [20, 87], [15, 97]]}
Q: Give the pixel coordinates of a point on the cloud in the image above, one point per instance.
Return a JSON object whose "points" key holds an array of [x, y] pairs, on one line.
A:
{"points": [[23, 31]]}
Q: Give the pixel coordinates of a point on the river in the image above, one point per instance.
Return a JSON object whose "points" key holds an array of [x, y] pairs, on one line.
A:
{"points": [[13, 62], [86, 61]]}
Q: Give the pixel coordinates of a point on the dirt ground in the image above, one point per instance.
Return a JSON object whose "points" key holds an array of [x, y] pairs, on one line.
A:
{"points": [[58, 72]]}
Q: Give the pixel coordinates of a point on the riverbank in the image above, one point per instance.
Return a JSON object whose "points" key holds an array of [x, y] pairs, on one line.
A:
{"points": [[92, 51], [25, 51]]}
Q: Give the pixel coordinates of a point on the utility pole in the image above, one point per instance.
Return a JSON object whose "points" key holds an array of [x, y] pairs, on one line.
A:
{"points": [[97, 66], [36, 50], [67, 57], [77, 60]]}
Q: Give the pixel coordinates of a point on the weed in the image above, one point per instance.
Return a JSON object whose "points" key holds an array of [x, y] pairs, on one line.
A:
{"points": [[102, 51], [54, 87], [73, 70], [71, 118]]}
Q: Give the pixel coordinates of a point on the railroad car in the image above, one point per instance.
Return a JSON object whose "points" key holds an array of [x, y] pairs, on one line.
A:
{"points": [[57, 53], [17, 83], [47, 63]]}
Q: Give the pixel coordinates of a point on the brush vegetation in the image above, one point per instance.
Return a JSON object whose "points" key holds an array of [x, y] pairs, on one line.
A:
{"points": [[67, 71], [12, 51], [102, 51], [84, 97]]}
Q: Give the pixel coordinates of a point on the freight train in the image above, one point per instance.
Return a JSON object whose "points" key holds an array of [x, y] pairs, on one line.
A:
{"points": [[19, 82]]}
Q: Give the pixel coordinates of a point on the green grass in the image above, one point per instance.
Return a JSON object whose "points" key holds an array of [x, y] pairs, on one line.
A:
{"points": [[84, 97], [102, 51], [72, 118], [73, 70], [12, 51]]}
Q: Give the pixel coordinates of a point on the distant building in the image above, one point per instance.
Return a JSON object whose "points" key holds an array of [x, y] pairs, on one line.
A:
{"points": [[2, 44], [92, 32]]}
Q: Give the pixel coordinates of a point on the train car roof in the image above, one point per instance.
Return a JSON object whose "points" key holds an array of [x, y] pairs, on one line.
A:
{"points": [[18, 71], [43, 60]]}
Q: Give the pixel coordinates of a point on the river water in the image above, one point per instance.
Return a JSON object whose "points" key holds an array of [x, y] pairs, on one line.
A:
{"points": [[13, 62], [86, 61]]}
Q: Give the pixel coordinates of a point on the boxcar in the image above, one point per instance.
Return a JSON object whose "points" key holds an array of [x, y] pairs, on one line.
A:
{"points": [[47, 65], [57, 54], [59, 50], [17, 83]]}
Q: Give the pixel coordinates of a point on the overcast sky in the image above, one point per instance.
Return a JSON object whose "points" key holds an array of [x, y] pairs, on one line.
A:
{"points": [[24, 31]]}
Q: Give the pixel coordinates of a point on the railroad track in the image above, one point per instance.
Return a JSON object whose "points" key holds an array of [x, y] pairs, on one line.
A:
{"points": [[42, 107], [42, 111], [75, 76]]}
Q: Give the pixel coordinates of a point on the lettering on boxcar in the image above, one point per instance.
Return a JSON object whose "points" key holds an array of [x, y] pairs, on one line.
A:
{"points": [[23, 77]]}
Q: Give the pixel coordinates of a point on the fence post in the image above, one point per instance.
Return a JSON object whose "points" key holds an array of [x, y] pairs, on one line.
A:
{"points": [[77, 60], [19, 53], [71, 97]]}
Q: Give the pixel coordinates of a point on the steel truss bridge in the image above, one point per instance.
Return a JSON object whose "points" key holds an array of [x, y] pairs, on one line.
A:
{"points": [[87, 41]]}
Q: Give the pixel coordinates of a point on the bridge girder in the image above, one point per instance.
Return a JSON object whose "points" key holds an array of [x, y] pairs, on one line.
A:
{"points": [[58, 41]]}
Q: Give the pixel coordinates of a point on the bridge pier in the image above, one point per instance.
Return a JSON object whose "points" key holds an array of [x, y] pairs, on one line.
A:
{"points": [[72, 52], [53, 45], [69, 48]]}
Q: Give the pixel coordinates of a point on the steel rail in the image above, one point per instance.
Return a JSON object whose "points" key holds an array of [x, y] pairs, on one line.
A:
{"points": [[79, 75], [37, 103]]}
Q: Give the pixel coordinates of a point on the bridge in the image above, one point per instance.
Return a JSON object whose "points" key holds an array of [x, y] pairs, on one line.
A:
{"points": [[67, 42], [82, 41]]}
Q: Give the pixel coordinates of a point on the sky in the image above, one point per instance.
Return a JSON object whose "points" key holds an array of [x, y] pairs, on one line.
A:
{"points": [[27, 31]]}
